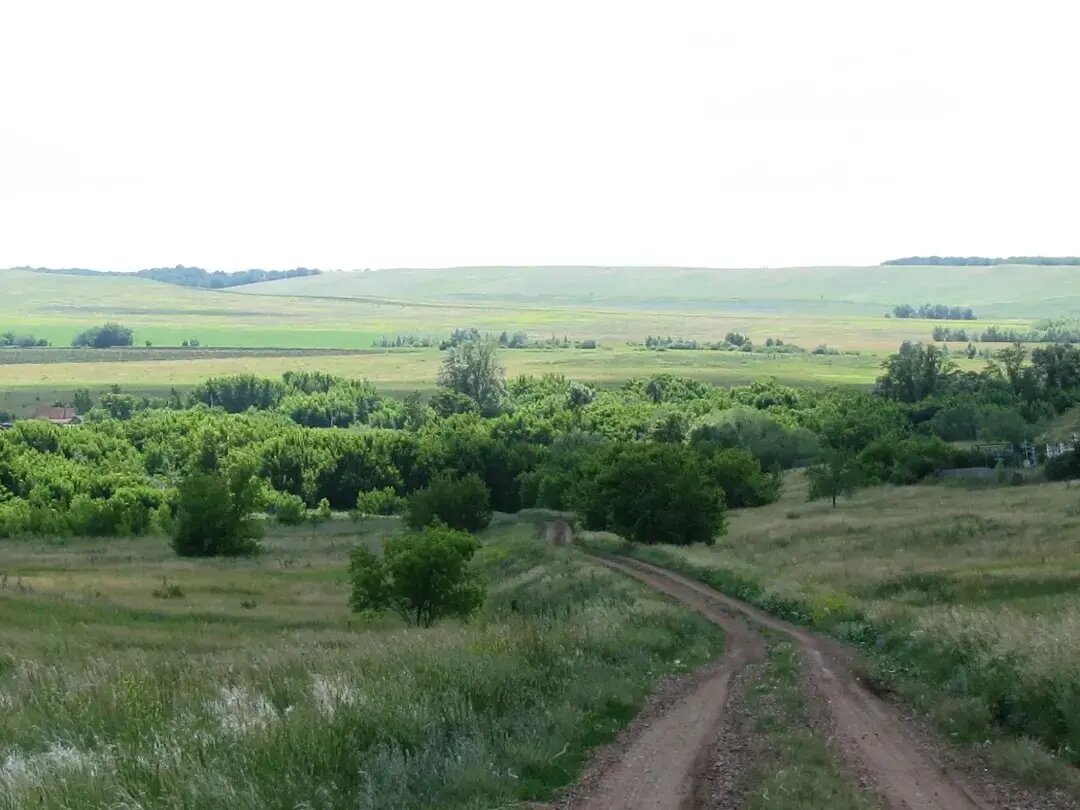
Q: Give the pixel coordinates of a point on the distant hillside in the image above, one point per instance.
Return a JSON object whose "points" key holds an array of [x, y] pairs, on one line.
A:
{"points": [[190, 276], [999, 291], [983, 261]]}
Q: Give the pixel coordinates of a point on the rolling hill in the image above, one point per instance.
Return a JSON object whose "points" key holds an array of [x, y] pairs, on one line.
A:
{"points": [[1001, 291]]}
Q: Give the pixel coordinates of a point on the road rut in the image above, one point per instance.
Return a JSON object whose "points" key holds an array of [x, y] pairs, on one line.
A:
{"points": [[871, 733]]}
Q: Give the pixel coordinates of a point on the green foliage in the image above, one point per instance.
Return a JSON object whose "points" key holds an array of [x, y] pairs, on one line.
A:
{"points": [[383, 501], [213, 514], [834, 473], [906, 460], [289, 509], [472, 368], [915, 372], [423, 576], [774, 444], [104, 337], [740, 475], [654, 494], [459, 502]]}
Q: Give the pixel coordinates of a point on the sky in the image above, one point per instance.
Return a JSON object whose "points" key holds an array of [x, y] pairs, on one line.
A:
{"points": [[343, 135]]}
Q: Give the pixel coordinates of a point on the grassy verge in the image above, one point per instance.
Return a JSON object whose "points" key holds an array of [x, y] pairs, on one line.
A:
{"points": [[793, 766], [969, 612], [273, 696]]}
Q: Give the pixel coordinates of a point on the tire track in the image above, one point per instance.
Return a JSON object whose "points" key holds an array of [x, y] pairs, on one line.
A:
{"points": [[665, 755], [871, 733]]}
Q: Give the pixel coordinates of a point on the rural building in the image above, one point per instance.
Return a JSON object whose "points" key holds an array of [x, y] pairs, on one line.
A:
{"points": [[57, 415]]}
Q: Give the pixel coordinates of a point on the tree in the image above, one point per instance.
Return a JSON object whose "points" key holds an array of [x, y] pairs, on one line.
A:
{"points": [[423, 577], [213, 513], [834, 473], [915, 372], [82, 400], [654, 493], [472, 368], [461, 503], [104, 337]]}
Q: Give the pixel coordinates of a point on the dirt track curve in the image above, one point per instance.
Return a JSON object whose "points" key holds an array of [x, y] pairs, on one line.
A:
{"points": [[660, 766]]}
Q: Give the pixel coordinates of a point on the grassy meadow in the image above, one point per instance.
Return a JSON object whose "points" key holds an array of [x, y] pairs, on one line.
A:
{"points": [[131, 678], [967, 599], [266, 329], [1003, 291], [24, 385]]}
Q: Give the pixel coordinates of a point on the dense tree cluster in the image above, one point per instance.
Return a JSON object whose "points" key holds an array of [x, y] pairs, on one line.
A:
{"points": [[1049, 331], [21, 341], [505, 340], [934, 312], [659, 458], [104, 337]]}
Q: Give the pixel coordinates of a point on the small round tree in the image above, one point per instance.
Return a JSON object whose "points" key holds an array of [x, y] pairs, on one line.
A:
{"points": [[460, 503], [423, 577]]}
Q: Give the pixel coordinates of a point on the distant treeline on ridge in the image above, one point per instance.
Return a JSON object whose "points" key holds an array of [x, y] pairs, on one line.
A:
{"points": [[189, 276], [984, 261]]}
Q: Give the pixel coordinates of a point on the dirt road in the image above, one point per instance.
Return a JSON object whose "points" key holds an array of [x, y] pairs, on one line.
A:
{"points": [[659, 767]]}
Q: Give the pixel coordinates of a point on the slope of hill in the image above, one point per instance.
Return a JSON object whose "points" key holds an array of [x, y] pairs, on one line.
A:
{"points": [[1001, 291]]}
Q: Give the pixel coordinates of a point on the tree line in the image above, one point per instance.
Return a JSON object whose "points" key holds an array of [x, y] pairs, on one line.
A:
{"points": [[939, 312], [21, 341], [658, 458], [188, 276], [983, 261], [1050, 331], [517, 339]]}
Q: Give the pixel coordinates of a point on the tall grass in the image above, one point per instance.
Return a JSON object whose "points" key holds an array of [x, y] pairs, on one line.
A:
{"points": [[967, 600], [459, 716]]}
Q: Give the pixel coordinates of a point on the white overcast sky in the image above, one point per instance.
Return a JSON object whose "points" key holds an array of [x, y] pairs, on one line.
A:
{"points": [[232, 134]]}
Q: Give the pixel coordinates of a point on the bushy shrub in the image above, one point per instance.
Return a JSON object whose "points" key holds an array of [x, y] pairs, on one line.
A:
{"points": [[213, 515], [772, 443], [383, 501], [905, 460], [1064, 467], [104, 337], [423, 576], [289, 509], [461, 503], [654, 493], [740, 475]]}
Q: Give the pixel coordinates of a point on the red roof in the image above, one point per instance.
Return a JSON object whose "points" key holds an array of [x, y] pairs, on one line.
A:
{"points": [[54, 414]]}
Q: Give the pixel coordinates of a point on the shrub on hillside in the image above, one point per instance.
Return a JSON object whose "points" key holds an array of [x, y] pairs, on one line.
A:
{"points": [[213, 514], [1064, 467], [907, 460], [104, 337], [460, 503], [423, 577], [383, 501], [289, 509], [834, 473], [654, 493], [740, 475]]}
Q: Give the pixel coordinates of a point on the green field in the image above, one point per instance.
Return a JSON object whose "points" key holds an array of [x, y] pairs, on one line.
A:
{"points": [[1004, 291], [330, 311], [839, 307], [249, 684], [969, 596]]}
